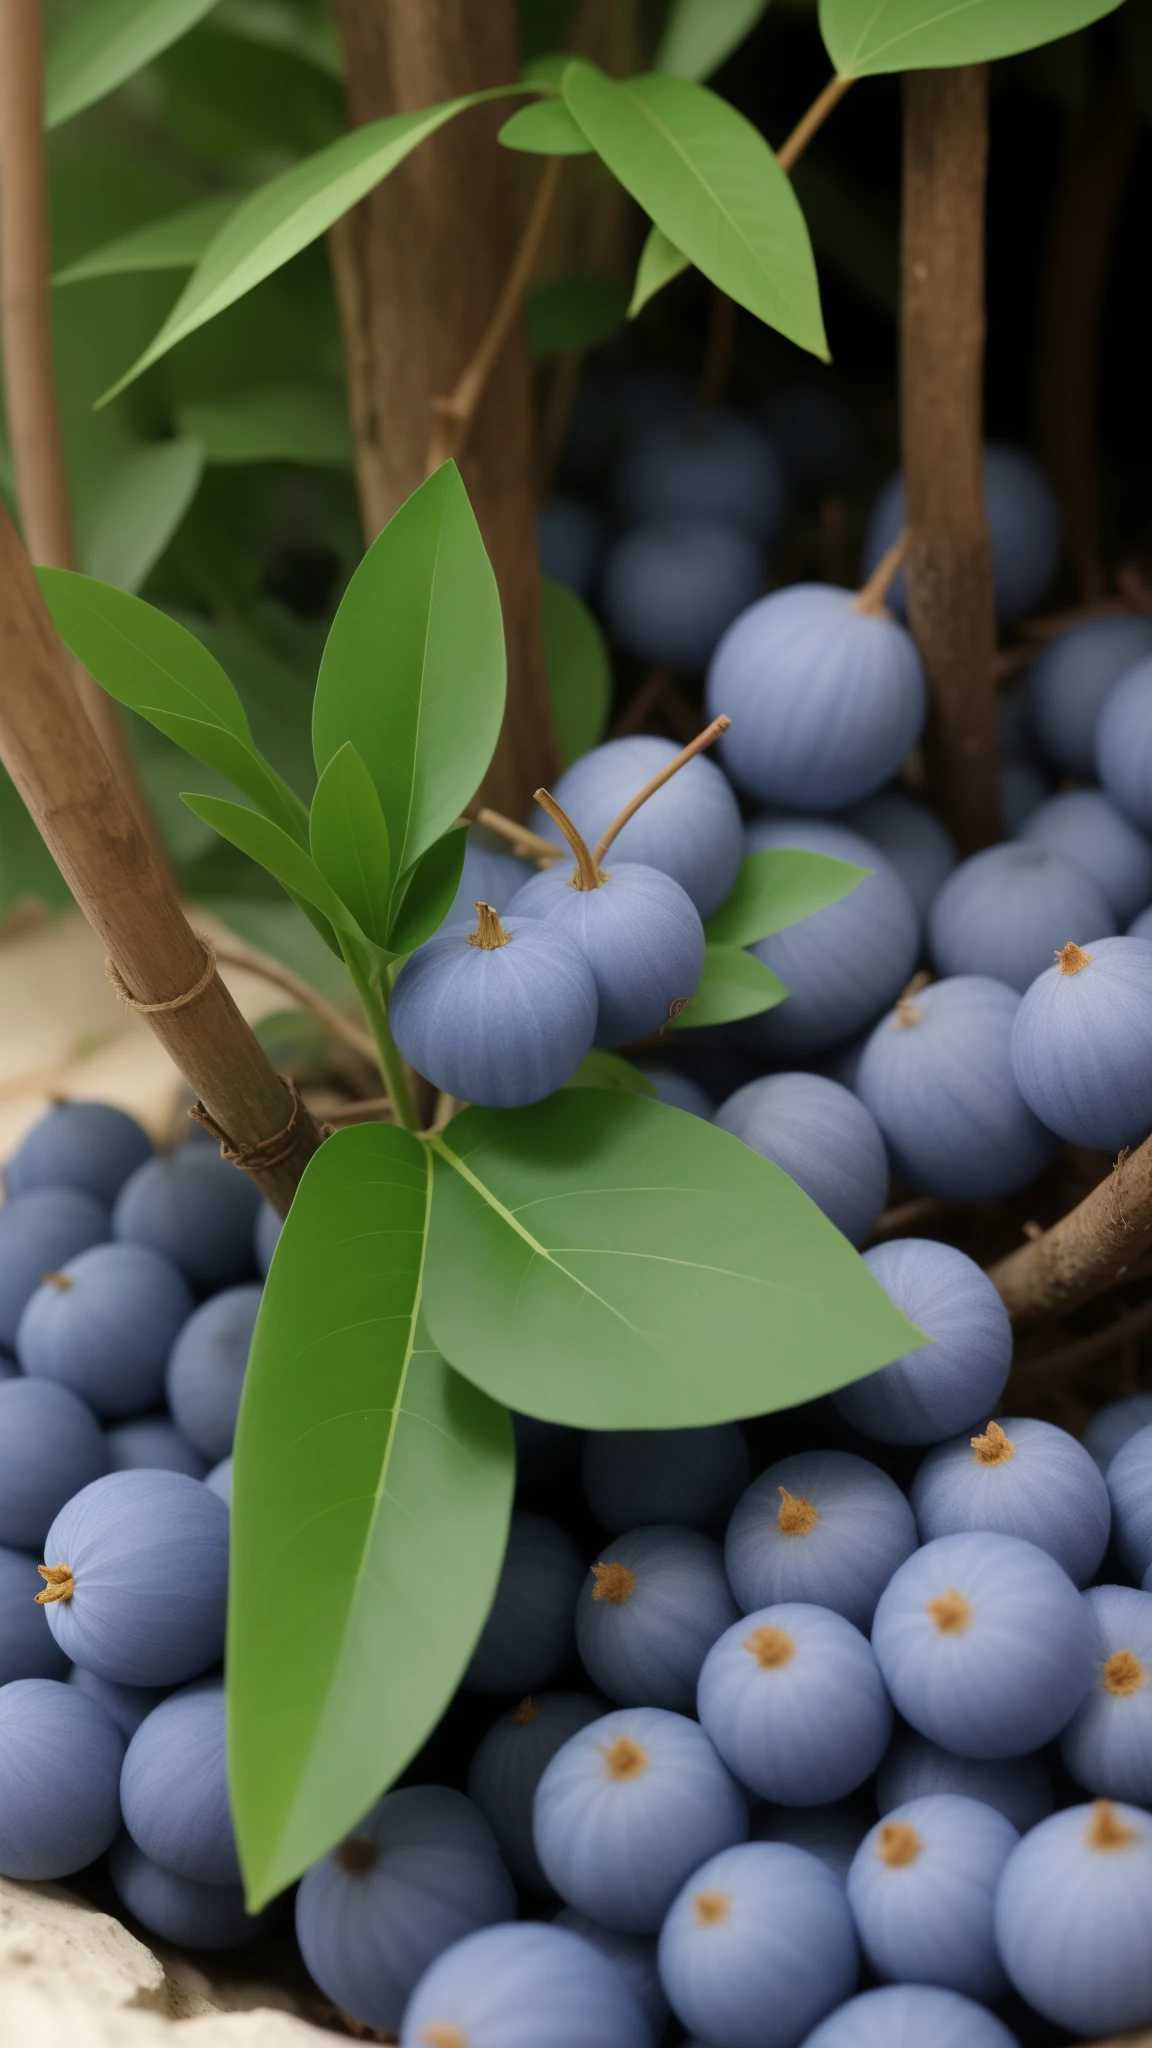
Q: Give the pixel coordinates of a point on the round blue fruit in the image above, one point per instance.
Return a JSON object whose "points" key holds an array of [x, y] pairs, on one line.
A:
{"points": [[758, 1946], [570, 542], [1124, 745], [196, 1209], [86, 1145], [634, 1956], [910, 836], [1072, 1918], [1082, 1043], [833, 1833], [266, 1236], [1070, 680], [1141, 927], [1107, 1745], [1019, 1787], [28, 1649], [632, 1477], [208, 1916], [525, 1987], [219, 1481], [907, 2016], [1084, 827], [1004, 913], [39, 1233], [104, 1325], [60, 1758], [50, 1446], [1129, 1482], [823, 1138], [985, 1644], [711, 466], [126, 1705], [147, 1555], [1111, 1427], [823, 1527], [677, 1089], [671, 587], [1023, 517], [937, 1075], [419, 1873], [509, 1764], [627, 1809], [648, 1613], [174, 1786], [491, 875], [957, 1380], [640, 934], [1019, 1477], [153, 1444], [530, 1634], [922, 1889], [205, 1374]]}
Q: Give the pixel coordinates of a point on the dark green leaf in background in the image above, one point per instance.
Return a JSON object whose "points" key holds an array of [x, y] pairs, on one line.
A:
{"points": [[27, 869], [231, 96], [612, 1263], [429, 891], [699, 34], [777, 887], [546, 129], [852, 230], [175, 243], [573, 312], [369, 1514], [867, 37], [349, 841], [271, 423], [600, 1069], [734, 984], [579, 671], [106, 42], [543, 25], [144, 502], [660, 261]]}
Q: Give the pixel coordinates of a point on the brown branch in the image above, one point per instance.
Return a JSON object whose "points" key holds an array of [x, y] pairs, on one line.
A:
{"points": [[642, 701], [790, 152], [1096, 1246], [310, 999], [719, 342], [871, 595], [1100, 1344], [96, 842], [529, 845]]}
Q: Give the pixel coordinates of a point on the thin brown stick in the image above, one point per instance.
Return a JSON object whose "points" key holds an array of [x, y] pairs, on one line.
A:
{"points": [[529, 845], [455, 413], [588, 875], [1095, 1246], [719, 342], [310, 999], [371, 1109], [703, 739], [643, 700], [905, 1215], [793, 149], [85, 820], [871, 595], [1101, 1344]]}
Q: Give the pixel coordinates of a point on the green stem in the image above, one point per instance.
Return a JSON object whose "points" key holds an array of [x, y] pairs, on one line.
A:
{"points": [[388, 1052]]}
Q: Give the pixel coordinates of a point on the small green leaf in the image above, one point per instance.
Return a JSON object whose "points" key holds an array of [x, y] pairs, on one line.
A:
{"points": [[27, 869], [429, 891], [600, 1069], [776, 888], [349, 841], [612, 1263], [699, 34], [710, 182], [546, 129], [294, 869], [867, 37], [106, 42], [579, 671], [369, 1514], [660, 261], [413, 672], [734, 984], [141, 506], [175, 243], [572, 312], [272, 423]]}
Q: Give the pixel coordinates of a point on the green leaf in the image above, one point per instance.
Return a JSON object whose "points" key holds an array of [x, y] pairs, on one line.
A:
{"points": [[273, 423], [776, 888], [610, 1070], [710, 181], [106, 42], [27, 869], [144, 500], [369, 1514], [349, 841], [429, 891], [612, 1263], [867, 37], [567, 313], [579, 671], [175, 243], [734, 984], [263, 841], [699, 34], [546, 129], [660, 261], [543, 25], [413, 672]]}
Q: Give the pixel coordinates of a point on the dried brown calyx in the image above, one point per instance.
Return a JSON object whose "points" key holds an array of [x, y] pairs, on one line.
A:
{"points": [[711, 1908], [60, 1584], [950, 1611], [355, 1854], [58, 1280], [1073, 958], [1124, 1674], [796, 1515], [525, 1714], [1106, 1830], [446, 2036], [489, 932], [771, 1647], [614, 1582], [994, 1447], [624, 1758], [898, 1844]]}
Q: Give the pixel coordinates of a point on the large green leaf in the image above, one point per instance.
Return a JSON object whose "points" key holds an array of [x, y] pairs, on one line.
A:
{"points": [[369, 1514], [295, 870], [107, 41], [610, 1262], [136, 515], [865, 37], [710, 182], [601, 1069], [175, 243], [579, 671], [779, 887], [349, 841], [271, 423], [699, 34], [545, 129], [573, 313], [660, 261], [734, 984], [413, 672], [429, 891]]}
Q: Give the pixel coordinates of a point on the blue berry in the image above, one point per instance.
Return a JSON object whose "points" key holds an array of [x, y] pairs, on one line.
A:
{"points": [[205, 1373], [671, 587], [266, 1236], [833, 1833], [823, 1527], [639, 932], [28, 1649], [1019, 1787], [524, 1987], [153, 1444], [1070, 680], [793, 1699], [509, 1764], [677, 1089], [1082, 826], [1021, 1478], [1107, 1745], [1024, 519], [570, 542], [956, 1381], [1129, 1482], [1004, 912], [208, 1916], [912, 838], [196, 1209], [1111, 1427], [632, 1477], [530, 1634], [60, 1758], [1124, 744], [104, 1325], [174, 1786], [985, 1644], [88, 1145], [127, 1705], [219, 1481], [1072, 1918], [822, 1137], [649, 1612], [706, 465], [908, 2016], [1082, 1044], [39, 1233], [634, 1956], [50, 1446], [922, 1889], [491, 875]]}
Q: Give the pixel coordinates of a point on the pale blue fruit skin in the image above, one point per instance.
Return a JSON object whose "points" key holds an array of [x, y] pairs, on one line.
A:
{"points": [[822, 1137], [781, 1957], [1069, 681], [527, 1987], [509, 1764], [50, 1446], [865, 1529], [28, 1649], [127, 1705], [196, 1209], [647, 1650], [266, 1236], [938, 1078], [632, 1477], [1013, 1677], [1124, 745], [1004, 913], [1050, 1492], [208, 1916], [671, 587], [205, 1375], [691, 828], [1082, 1046], [545, 1451], [910, 2016], [1107, 1745], [174, 1787], [677, 1089], [844, 965], [570, 542], [634, 1956], [86, 1145], [149, 1555], [500, 1027], [910, 836], [368, 1936], [825, 700], [219, 1481], [39, 1233], [1019, 1787], [60, 1758], [1072, 1923], [931, 1921], [640, 934], [489, 876], [1083, 826], [530, 1634], [107, 1336], [833, 1833], [620, 1848], [153, 1444], [1129, 1482], [951, 1384], [706, 465], [1024, 519], [805, 1732], [1111, 1427]]}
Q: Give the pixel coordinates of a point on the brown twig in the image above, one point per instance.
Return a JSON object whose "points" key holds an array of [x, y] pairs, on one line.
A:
{"points": [[871, 595], [310, 999], [1095, 1246], [641, 702], [1086, 1350], [703, 739], [906, 1215], [793, 149], [371, 1109], [529, 845], [719, 342]]}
